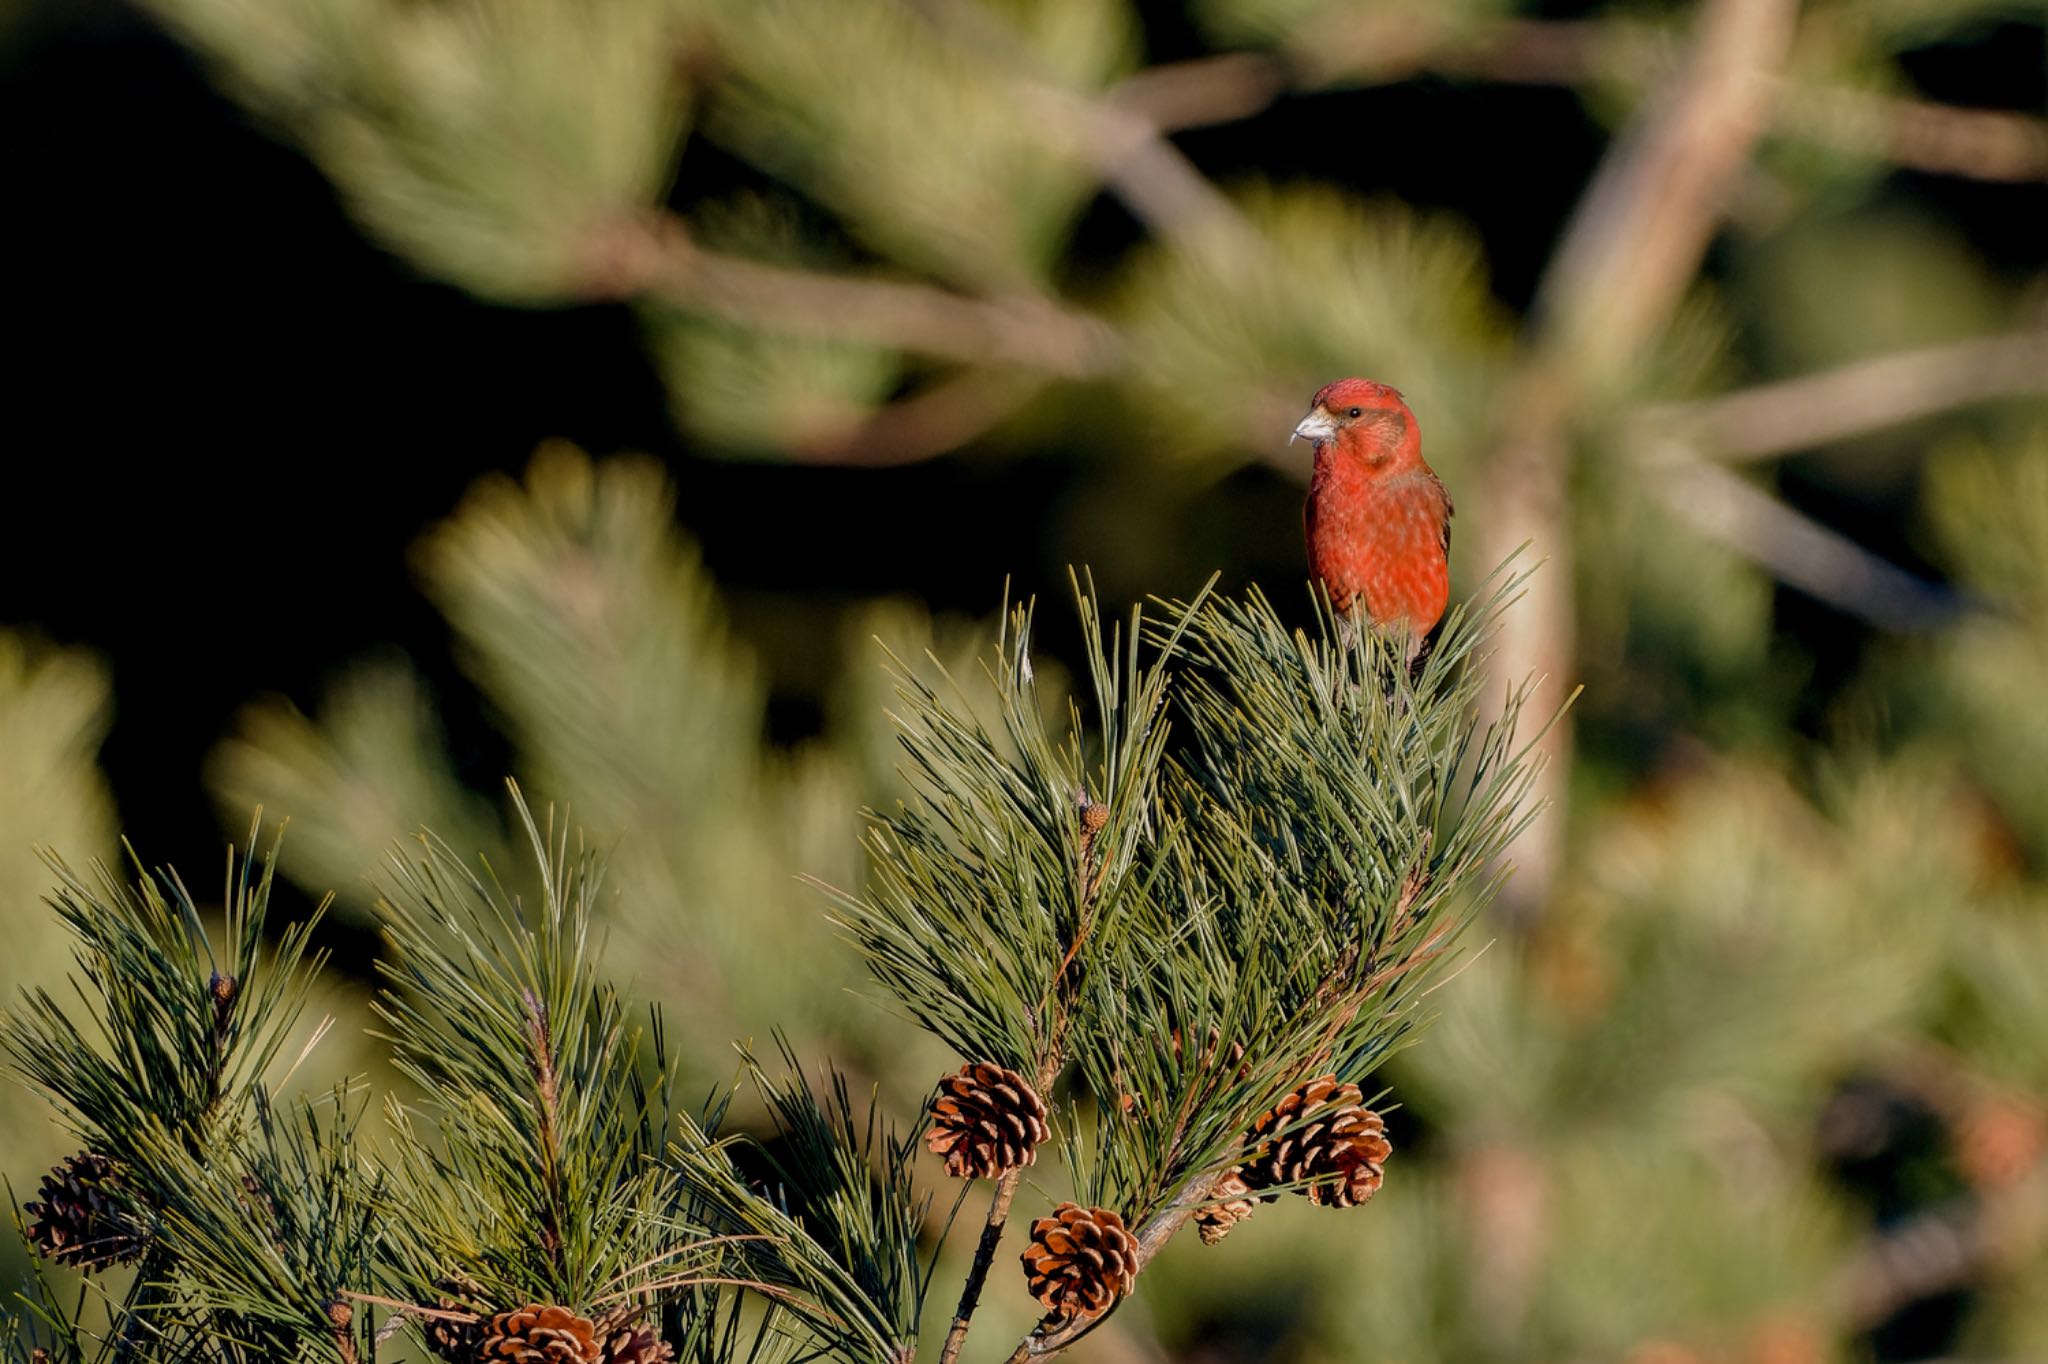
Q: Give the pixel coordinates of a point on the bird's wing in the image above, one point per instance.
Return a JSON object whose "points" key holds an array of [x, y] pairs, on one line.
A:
{"points": [[1450, 510]]}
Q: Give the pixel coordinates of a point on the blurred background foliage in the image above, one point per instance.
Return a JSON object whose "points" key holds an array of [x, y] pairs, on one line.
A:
{"points": [[1738, 309]]}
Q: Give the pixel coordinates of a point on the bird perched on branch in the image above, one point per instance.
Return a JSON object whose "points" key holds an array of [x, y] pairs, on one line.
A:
{"points": [[1378, 517]]}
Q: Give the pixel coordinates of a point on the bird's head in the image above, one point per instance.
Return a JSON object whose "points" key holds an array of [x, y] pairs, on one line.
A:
{"points": [[1371, 420]]}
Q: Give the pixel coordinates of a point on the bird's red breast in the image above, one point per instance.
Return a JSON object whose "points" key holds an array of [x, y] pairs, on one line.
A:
{"points": [[1378, 518]]}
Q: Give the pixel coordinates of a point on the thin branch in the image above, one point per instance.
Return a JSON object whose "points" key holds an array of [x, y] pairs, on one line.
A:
{"points": [[1939, 139], [1821, 562], [1996, 145], [1131, 155], [1204, 91], [1059, 999], [929, 423], [984, 1257], [1020, 329], [1798, 414]]}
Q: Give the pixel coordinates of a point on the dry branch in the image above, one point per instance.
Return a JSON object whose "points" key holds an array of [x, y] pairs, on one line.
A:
{"points": [[1018, 329], [1798, 414], [1823, 563]]}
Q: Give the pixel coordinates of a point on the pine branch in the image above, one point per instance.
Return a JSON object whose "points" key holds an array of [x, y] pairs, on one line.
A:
{"points": [[1019, 330], [1993, 145], [1824, 563], [1792, 415], [984, 1259], [544, 1185]]}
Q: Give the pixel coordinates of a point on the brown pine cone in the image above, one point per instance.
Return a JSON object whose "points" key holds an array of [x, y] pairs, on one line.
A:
{"points": [[80, 1218], [454, 1338], [534, 1334], [986, 1121], [627, 1338], [1079, 1262], [1342, 1146], [1234, 1203]]}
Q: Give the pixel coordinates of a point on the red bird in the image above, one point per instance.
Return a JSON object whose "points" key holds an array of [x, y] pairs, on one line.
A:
{"points": [[1378, 518]]}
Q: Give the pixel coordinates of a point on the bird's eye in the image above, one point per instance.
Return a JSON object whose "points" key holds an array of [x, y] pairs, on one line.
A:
{"points": [[1356, 412]]}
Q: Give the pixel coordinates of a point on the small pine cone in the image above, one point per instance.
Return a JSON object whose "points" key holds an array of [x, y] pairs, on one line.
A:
{"points": [[534, 1334], [1234, 1203], [454, 1338], [986, 1121], [80, 1219], [1094, 815], [1079, 1262], [1343, 1146], [626, 1338]]}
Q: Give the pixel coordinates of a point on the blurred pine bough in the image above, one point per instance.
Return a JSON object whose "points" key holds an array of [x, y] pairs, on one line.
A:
{"points": [[596, 643], [55, 706]]}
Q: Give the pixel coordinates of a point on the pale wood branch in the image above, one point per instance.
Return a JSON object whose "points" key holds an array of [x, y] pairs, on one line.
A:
{"points": [[1791, 415], [1134, 160], [934, 421], [1996, 145], [1820, 562], [1026, 330]]}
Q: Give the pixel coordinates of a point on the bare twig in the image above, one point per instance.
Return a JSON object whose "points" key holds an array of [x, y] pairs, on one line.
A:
{"points": [[1997, 145], [1821, 562], [984, 1257], [1135, 161], [1798, 414], [929, 423], [1020, 329], [1204, 90], [1939, 139]]}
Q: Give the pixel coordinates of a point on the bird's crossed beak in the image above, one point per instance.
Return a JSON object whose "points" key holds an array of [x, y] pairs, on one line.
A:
{"points": [[1318, 425]]}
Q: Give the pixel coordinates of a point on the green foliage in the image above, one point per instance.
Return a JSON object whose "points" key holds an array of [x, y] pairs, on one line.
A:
{"points": [[1344, 288], [54, 711], [941, 173], [980, 883], [1284, 889], [512, 149], [540, 1158], [186, 1033], [829, 1226], [1990, 515], [275, 1230], [534, 1080], [1332, 826], [587, 622]]}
